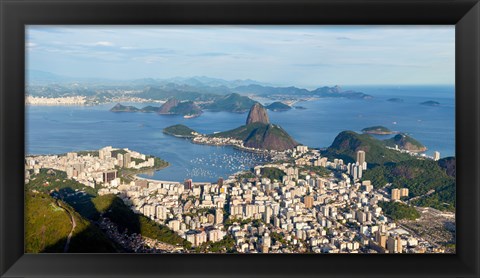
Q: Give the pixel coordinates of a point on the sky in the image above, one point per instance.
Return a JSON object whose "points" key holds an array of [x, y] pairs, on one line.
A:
{"points": [[308, 56]]}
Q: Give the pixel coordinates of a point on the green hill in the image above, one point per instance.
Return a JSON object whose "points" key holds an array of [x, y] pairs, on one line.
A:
{"points": [[272, 173], [231, 103], [261, 136], [405, 142], [347, 143], [278, 106], [179, 131]]}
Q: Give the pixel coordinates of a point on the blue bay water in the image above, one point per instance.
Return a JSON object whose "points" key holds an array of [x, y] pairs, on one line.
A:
{"points": [[60, 129]]}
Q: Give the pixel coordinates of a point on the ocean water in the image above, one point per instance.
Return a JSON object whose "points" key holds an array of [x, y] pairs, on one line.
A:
{"points": [[60, 129]]}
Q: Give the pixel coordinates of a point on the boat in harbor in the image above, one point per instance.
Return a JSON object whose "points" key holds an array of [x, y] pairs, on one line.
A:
{"points": [[191, 116]]}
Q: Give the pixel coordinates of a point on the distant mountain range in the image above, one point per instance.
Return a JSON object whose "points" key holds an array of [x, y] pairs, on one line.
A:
{"points": [[38, 77], [229, 103], [199, 88]]}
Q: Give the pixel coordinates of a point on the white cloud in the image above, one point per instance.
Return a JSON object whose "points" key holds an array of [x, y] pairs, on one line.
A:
{"points": [[30, 44], [104, 43]]}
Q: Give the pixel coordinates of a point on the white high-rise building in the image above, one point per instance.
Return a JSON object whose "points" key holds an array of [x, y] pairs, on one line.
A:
{"points": [[218, 216], [361, 158], [268, 214]]}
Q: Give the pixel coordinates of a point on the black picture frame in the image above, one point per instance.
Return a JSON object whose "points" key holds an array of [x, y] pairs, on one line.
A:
{"points": [[15, 14]]}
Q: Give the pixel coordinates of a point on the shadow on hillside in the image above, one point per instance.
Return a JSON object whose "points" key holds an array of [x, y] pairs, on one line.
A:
{"points": [[99, 219], [92, 233]]}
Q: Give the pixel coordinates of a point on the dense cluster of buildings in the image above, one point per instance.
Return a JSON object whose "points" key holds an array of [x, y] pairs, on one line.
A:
{"points": [[227, 141], [74, 100], [90, 169], [302, 212]]}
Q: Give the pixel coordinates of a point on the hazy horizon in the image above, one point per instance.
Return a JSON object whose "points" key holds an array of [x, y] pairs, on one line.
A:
{"points": [[98, 79], [305, 56]]}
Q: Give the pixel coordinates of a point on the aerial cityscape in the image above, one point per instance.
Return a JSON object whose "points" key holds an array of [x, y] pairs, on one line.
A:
{"points": [[166, 159]]}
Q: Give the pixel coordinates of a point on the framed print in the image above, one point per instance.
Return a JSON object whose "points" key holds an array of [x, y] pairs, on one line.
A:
{"points": [[291, 137]]}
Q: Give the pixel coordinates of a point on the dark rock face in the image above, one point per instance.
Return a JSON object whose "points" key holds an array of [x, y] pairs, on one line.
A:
{"points": [[167, 106], [449, 164], [257, 114], [186, 108]]}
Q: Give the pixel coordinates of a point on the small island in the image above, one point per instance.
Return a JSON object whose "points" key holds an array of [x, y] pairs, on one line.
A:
{"points": [[430, 103], [379, 130], [397, 100], [123, 108], [278, 106], [181, 131]]}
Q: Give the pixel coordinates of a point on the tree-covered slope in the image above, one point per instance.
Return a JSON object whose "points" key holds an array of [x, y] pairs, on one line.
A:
{"points": [[425, 179], [347, 143], [399, 211], [405, 142]]}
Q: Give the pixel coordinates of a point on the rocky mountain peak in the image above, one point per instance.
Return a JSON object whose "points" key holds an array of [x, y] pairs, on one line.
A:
{"points": [[167, 106], [257, 114]]}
